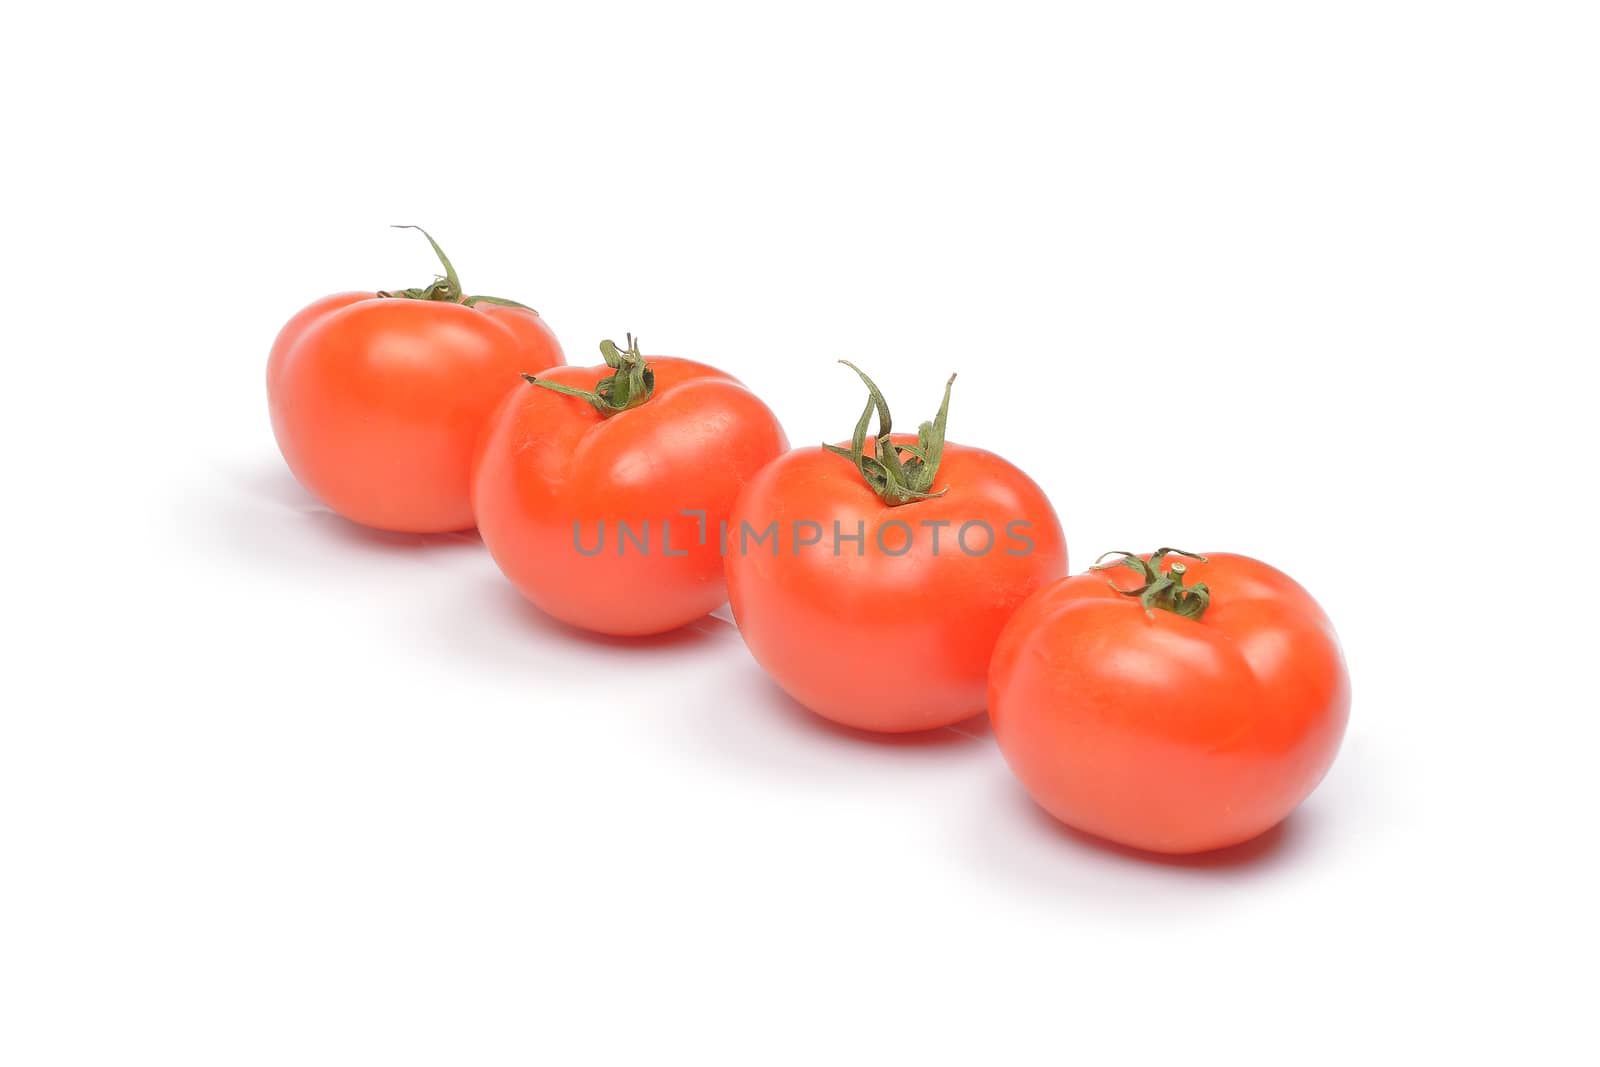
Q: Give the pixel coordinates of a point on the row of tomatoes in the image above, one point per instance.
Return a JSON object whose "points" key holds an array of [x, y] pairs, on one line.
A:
{"points": [[1173, 702]]}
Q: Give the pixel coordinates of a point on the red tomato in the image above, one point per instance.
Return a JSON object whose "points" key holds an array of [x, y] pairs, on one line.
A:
{"points": [[891, 632], [1170, 717], [377, 399], [600, 490]]}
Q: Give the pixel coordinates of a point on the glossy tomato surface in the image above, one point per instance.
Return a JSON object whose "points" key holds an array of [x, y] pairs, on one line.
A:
{"points": [[377, 402], [893, 632], [1167, 733], [612, 523]]}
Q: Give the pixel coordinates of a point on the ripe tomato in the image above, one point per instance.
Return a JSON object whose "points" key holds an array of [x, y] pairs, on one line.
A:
{"points": [[377, 399], [1168, 717], [888, 569], [599, 491]]}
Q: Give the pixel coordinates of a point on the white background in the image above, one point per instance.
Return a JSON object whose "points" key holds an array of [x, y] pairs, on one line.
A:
{"points": [[1316, 283]]}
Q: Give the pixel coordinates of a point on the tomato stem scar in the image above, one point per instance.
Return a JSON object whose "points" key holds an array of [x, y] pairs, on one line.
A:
{"points": [[445, 287], [898, 481], [632, 382], [1163, 591]]}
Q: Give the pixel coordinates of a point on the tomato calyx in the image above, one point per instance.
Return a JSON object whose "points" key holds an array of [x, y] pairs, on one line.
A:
{"points": [[632, 382], [897, 480], [446, 287], [1162, 590]]}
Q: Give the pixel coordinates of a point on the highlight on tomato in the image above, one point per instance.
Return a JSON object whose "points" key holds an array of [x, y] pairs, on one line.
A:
{"points": [[1171, 702], [601, 492], [871, 579], [378, 398]]}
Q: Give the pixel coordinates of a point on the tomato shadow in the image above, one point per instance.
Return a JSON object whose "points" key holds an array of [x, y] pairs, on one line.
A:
{"points": [[368, 539], [1259, 850], [737, 716], [528, 618], [263, 514], [487, 625], [974, 729], [1010, 840]]}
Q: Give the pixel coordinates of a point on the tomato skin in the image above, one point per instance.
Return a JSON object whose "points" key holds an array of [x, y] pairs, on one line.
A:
{"points": [[377, 402], [549, 461], [1164, 733], [880, 641], [296, 328], [540, 348]]}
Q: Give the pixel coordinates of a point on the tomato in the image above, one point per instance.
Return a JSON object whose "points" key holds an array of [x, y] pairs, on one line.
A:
{"points": [[378, 399], [600, 491], [1170, 717], [888, 570]]}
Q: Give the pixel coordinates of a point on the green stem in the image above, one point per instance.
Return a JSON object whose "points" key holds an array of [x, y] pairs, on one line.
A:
{"points": [[897, 480], [474, 301], [1162, 590], [632, 382], [446, 287]]}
